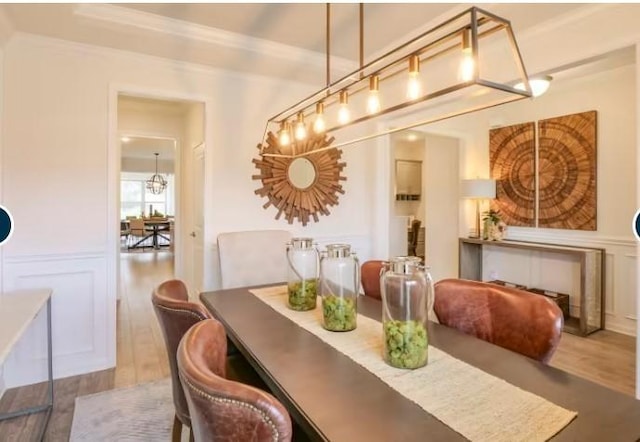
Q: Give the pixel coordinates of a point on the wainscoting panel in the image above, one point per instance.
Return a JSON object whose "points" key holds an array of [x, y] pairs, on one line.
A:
{"points": [[630, 278], [610, 294], [80, 323]]}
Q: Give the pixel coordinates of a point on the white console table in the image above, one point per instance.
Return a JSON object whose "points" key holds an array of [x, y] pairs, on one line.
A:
{"points": [[18, 309], [591, 276]]}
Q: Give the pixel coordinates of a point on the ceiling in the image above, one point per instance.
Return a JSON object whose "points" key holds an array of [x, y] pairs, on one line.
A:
{"points": [[280, 39], [145, 147]]}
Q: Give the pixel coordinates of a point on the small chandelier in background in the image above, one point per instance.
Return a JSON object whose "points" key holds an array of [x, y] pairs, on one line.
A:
{"points": [[465, 64], [156, 184]]}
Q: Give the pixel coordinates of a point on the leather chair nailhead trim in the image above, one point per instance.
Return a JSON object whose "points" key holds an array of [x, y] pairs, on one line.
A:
{"points": [[180, 310], [253, 408]]}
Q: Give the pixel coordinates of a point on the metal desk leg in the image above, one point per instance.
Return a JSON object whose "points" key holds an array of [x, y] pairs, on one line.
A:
{"points": [[48, 406]]}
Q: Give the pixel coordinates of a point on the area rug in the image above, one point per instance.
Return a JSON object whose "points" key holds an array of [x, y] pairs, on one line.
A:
{"points": [[140, 413]]}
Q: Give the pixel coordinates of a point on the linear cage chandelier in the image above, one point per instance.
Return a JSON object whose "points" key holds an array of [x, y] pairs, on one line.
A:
{"points": [[465, 64], [156, 184]]}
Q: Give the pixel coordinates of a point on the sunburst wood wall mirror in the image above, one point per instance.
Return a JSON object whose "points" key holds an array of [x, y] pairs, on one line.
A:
{"points": [[301, 188]]}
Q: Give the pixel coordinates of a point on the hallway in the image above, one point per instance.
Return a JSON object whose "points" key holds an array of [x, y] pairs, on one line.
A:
{"points": [[141, 350]]}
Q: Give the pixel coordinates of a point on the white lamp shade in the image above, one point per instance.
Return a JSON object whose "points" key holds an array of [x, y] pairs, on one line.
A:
{"points": [[478, 189], [539, 85]]}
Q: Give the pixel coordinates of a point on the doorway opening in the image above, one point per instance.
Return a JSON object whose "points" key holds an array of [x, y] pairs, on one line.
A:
{"points": [[147, 210], [155, 242], [424, 210]]}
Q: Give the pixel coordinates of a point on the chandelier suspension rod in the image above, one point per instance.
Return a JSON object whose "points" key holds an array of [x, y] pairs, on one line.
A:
{"points": [[328, 46]]}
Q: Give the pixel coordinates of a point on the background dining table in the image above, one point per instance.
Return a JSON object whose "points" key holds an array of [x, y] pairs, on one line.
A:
{"points": [[158, 226], [331, 397]]}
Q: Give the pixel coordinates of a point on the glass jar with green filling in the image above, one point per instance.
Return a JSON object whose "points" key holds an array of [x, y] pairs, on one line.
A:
{"points": [[407, 297], [339, 286], [303, 259]]}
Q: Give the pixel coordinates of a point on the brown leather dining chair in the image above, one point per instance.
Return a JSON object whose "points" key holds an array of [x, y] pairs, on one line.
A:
{"points": [[176, 315], [370, 278], [222, 409], [517, 320]]}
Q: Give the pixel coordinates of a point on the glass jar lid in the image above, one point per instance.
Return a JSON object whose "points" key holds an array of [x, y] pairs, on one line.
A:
{"points": [[338, 250], [404, 264], [302, 243]]}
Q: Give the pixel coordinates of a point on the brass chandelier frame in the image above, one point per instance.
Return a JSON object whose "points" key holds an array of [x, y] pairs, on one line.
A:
{"points": [[429, 45]]}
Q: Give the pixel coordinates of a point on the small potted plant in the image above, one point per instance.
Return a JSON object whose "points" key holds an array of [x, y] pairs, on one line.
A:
{"points": [[494, 228]]}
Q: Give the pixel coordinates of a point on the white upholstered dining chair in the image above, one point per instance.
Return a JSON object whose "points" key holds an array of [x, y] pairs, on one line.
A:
{"points": [[253, 257]]}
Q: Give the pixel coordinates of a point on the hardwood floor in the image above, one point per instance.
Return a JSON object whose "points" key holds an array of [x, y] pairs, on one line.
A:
{"points": [[604, 357]]}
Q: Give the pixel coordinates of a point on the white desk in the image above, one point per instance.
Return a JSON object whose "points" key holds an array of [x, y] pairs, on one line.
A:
{"points": [[18, 309]]}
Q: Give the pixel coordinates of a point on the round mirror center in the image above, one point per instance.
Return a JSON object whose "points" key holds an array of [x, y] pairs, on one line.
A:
{"points": [[301, 173]]}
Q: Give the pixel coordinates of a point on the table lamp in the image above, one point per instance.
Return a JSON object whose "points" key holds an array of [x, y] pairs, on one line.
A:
{"points": [[478, 189]]}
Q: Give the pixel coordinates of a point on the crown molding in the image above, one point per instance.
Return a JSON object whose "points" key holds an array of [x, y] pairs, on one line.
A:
{"points": [[73, 47], [121, 16]]}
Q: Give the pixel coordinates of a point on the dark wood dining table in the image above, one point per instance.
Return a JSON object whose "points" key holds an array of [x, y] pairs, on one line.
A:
{"points": [[333, 398], [157, 226]]}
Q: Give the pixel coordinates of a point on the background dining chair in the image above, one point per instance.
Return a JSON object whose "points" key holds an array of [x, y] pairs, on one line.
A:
{"points": [[253, 257], [125, 231], [370, 278], [413, 237], [176, 315], [517, 320], [139, 234], [222, 409]]}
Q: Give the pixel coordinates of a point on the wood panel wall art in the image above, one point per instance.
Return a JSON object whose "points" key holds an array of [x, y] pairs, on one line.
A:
{"points": [[295, 203], [567, 172], [512, 162]]}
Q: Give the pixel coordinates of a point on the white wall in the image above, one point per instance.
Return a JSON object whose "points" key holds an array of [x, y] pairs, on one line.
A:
{"points": [[56, 174], [441, 205]]}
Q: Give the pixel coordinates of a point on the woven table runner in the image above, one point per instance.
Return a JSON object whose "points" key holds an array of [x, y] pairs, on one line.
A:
{"points": [[479, 406]]}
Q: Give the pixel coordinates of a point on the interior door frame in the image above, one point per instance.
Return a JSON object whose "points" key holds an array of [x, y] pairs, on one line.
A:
{"points": [[195, 151], [113, 192]]}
